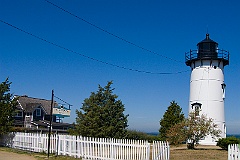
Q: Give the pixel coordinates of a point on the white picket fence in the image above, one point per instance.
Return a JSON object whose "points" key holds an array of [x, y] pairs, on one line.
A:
{"points": [[91, 148], [103, 148], [160, 150], [35, 142], [234, 152]]}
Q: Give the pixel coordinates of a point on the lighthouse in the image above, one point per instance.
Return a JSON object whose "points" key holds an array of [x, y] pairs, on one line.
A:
{"points": [[207, 86]]}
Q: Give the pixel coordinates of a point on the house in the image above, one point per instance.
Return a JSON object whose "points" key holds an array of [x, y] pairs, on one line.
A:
{"points": [[35, 113]]}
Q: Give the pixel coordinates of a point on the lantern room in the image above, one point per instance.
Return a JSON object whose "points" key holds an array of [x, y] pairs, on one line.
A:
{"points": [[207, 49]]}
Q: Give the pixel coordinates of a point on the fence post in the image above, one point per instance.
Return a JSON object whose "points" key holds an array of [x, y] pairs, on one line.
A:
{"points": [[112, 149], [148, 151], [233, 152], [229, 152], [56, 144]]}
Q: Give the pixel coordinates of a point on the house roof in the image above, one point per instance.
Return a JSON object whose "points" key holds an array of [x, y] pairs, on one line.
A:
{"points": [[29, 104]]}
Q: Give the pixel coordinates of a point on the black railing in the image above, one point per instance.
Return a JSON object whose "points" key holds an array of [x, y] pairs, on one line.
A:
{"points": [[195, 55]]}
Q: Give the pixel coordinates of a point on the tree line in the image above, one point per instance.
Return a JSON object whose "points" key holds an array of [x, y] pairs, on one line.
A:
{"points": [[102, 116]]}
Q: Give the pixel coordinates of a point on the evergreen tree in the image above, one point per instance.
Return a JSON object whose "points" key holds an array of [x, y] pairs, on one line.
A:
{"points": [[7, 107], [102, 115], [172, 116]]}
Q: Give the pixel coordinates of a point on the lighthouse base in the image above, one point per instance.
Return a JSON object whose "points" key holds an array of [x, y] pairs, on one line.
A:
{"points": [[208, 140]]}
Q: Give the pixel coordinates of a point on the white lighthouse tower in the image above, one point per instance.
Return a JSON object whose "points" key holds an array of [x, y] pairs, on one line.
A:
{"points": [[207, 86]]}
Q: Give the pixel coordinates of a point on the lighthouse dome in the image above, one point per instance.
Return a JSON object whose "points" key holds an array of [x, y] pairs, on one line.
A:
{"points": [[207, 48]]}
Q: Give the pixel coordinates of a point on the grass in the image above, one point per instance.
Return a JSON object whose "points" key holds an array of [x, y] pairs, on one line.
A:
{"points": [[201, 152], [38, 156], [176, 153]]}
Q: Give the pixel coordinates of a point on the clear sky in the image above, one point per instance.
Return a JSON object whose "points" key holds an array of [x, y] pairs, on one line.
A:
{"points": [[166, 28]]}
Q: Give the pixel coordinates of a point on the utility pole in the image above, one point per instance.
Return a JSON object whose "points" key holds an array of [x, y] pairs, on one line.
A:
{"points": [[50, 124]]}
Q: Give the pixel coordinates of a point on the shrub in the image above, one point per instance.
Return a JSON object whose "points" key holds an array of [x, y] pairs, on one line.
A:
{"points": [[138, 135], [224, 142]]}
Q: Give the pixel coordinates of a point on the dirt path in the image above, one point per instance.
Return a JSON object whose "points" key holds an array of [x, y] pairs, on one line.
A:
{"points": [[12, 156]]}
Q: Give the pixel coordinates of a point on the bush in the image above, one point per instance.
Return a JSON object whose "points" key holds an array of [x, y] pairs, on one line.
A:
{"points": [[224, 142], [137, 135]]}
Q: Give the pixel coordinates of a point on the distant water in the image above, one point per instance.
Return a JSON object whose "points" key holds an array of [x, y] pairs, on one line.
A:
{"points": [[153, 133], [233, 135]]}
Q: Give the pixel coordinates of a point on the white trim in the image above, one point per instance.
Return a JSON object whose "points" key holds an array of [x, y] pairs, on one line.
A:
{"points": [[18, 102]]}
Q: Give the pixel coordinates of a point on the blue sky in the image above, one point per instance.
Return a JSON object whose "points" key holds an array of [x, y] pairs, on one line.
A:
{"points": [[167, 28]]}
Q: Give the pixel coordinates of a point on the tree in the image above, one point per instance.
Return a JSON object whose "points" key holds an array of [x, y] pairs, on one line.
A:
{"points": [[176, 134], [7, 107], [102, 115], [193, 129], [199, 127], [172, 116], [224, 142]]}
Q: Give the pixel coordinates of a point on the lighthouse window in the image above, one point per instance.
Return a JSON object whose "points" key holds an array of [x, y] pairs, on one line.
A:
{"points": [[196, 106], [223, 90], [224, 127], [197, 110], [206, 47]]}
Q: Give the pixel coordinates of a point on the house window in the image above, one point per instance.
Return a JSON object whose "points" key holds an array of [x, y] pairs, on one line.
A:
{"points": [[38, 111], [19, 114]]}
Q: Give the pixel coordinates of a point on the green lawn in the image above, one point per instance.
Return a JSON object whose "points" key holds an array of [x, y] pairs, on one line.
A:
{"points": [[38, 156]]}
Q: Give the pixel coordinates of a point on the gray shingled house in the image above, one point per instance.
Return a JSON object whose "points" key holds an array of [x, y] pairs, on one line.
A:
{"points": [[35, 113]]}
